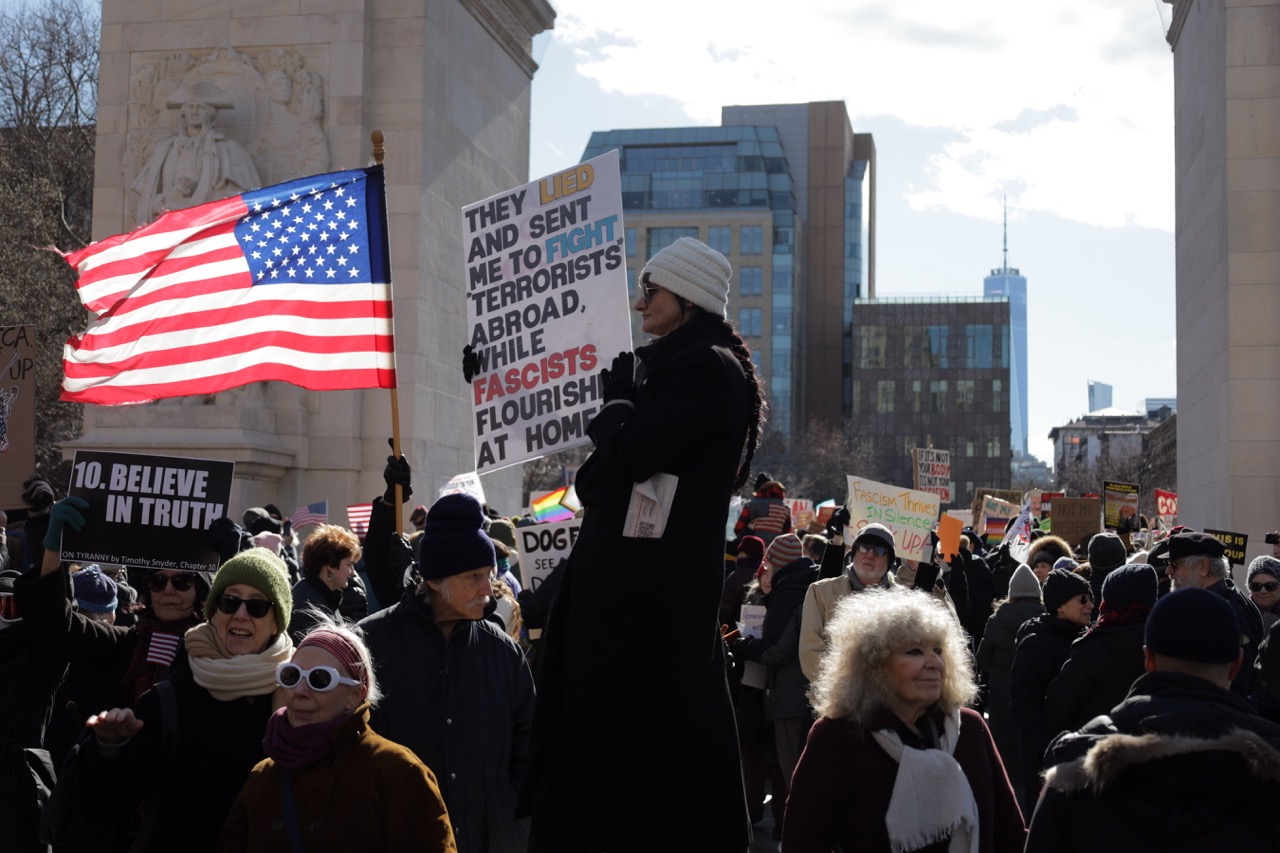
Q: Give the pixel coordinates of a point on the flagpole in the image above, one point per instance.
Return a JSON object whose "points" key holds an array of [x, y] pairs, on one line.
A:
{"points": [[378, 152]]}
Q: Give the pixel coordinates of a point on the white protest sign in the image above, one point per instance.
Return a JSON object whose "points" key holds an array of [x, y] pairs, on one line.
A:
{"points": [[752, 624], [543, 546], [909, 513], [467, 484], [547, 307]]}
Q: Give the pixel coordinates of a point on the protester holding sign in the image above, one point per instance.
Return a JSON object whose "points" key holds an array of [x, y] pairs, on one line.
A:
{"points": [[109, 665], [183, 768], [683, 428]]}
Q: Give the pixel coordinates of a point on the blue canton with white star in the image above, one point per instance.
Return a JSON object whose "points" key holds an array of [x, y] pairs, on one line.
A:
{"points": [[316, 230]]}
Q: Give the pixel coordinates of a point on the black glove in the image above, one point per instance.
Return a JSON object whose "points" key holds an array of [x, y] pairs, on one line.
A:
{"points": [[470, 363], [66, 512], [618, 381], [38, 494], [399, 555], [396, 474], [838, 521]]}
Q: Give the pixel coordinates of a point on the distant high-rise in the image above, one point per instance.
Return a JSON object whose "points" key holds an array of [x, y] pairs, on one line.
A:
{"points": [[1009, 283], [1099, 395]]}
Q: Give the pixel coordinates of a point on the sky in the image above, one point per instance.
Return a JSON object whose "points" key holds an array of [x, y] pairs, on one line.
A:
{"points": [[1062, 111]]}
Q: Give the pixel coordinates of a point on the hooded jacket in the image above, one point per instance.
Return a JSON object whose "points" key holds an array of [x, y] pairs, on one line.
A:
{"points": [[1180, 765]]}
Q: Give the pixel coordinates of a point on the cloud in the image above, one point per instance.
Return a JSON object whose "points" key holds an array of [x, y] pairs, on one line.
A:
{"points": [[1071, 110]]}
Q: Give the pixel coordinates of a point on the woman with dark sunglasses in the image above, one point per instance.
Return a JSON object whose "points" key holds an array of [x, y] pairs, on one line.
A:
{"points": [[222, 700], [1264, 588], [321, 752], [109, 665]]}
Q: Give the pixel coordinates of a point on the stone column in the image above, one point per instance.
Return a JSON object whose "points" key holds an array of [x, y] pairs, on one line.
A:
{"points": [[296, 87]]}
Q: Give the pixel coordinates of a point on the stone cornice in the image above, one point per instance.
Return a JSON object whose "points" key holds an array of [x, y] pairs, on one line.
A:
{"points": [[513, 24], [1181, 9]]}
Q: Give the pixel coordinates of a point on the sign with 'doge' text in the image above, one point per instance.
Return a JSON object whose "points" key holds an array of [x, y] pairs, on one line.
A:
{"points": [[152, 512], [542, 547], [546, 309]]}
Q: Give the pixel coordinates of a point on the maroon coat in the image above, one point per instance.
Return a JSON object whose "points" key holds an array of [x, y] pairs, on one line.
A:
{"points": [[841, 788]]}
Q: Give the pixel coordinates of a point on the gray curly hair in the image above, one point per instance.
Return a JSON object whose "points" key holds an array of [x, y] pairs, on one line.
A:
{"points": [[869, 627]]}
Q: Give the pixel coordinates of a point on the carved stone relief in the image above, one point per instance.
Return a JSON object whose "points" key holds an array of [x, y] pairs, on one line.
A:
{"points": [[208, 126]]}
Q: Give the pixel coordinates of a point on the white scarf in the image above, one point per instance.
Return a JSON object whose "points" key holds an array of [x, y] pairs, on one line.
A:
{"points": [[229, 677], [931, 797]]}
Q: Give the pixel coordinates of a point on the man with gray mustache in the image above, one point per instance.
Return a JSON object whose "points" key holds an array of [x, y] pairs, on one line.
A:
{"points": [[457, 689]]}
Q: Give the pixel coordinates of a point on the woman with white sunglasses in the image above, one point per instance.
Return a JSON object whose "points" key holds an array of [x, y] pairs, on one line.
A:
{"points": [[329, 781]]}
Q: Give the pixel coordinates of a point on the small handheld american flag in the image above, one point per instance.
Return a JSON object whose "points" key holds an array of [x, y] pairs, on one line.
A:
{"points": [[316, 513]]}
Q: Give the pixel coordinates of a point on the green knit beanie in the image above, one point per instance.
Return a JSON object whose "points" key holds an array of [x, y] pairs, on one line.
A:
{"points": [[262, 570]]}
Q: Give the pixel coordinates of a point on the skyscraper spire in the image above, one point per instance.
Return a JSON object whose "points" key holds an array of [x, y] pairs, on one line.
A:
{"points": [[1005, 268]]}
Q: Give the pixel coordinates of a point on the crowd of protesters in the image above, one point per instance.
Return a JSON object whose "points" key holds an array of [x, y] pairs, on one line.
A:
{"points": [[333, 692]]}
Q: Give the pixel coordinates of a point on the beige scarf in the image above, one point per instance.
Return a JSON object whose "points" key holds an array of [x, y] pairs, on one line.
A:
{"points": [[228, 677]]}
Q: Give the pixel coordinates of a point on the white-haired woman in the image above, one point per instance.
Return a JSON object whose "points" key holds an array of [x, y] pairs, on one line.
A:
{"points": [[330, 782], [895, 761]]}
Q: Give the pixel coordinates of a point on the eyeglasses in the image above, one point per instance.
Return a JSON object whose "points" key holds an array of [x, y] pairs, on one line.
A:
{"points": [[878, 550], [648, 289], [321, 679], [1086, 598], [182, 583], [255, 607], [1270, 586], [9, 607]]}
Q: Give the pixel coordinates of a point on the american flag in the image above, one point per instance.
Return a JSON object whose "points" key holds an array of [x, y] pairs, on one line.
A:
{"points": [[290, 283], [358, 518], [317, 513]]}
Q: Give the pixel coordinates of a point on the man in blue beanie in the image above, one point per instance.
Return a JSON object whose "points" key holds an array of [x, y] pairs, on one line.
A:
{"points": [[1182, 763], [458, 691]]}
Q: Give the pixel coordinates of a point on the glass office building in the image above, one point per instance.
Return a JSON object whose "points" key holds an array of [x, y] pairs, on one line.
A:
{"points": [[730, 188], [744, 188], [1009, 283]]}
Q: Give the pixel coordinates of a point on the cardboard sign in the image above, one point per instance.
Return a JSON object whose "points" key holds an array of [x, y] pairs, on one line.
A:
{"points": [[996, 515], [933, 472], [1011, 496], [547, 307], [1235, 545], [17, 412], [1076, 519], [910, 514], [1121, 510], [543, 546], [152, 512]]}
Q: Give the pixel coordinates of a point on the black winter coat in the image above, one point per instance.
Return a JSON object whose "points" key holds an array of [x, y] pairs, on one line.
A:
{"points": [[995, 656], [1044, 644], [778, 647], [608, 735], [1202, 782], [1097, 676], [219, 742], [464, 706]]}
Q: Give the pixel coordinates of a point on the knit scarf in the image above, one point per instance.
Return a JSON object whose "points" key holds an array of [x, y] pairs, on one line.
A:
{"points": [[146, 666], [228, 677], [1114, 617], [931, 797], [296, 747]]}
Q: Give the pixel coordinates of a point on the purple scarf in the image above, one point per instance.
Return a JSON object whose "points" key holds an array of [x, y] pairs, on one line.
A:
{"points": [[294, 748]]}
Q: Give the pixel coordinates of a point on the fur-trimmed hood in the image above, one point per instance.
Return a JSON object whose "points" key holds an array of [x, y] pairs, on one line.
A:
{"points": [[1112, 756]]}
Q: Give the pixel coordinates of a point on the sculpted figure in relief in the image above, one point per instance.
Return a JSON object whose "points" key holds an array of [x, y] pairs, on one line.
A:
{"points": [[197, 164]]}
